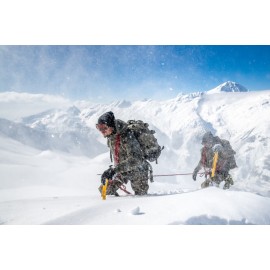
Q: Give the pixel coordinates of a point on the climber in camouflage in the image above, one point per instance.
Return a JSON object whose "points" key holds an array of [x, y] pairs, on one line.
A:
{"points": [[225, 163], [125, 151]]}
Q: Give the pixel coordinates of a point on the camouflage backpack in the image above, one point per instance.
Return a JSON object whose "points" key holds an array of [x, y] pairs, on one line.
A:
{"points": [[229, 153], [149, 145]]}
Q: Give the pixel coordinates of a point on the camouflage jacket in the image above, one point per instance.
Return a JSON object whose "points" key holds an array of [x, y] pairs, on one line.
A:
{"points": [[125, 149], [226, 160]]}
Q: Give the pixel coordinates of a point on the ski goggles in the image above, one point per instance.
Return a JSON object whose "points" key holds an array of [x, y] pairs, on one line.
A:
{"points": [[102, 127]]}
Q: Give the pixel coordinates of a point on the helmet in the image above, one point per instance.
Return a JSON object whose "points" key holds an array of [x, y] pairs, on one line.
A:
{"points": [[207, 137]]}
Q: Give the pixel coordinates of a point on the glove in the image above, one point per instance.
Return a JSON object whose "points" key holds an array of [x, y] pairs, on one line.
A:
{"points": [[217, 148], [108, 174], [194, 175]]}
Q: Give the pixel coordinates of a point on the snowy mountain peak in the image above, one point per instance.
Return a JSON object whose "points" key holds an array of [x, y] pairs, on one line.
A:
{"points": [[228, 87], [73, 110], [122, 104]]}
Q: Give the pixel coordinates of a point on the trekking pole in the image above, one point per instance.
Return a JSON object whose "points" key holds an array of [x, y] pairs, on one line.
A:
{"points": [[104, 190]]}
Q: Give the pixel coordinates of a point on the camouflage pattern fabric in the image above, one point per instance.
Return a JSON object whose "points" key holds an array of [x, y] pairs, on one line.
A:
{"points": [[131, 164], [217, 180], [225, 162], [138, 180]]}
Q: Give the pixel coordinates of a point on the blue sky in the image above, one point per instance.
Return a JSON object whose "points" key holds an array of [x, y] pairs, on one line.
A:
{"points": [[106, 73]]}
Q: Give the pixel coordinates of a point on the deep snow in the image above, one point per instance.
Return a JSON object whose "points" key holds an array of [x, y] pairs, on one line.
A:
{"points": [[53, 188]]}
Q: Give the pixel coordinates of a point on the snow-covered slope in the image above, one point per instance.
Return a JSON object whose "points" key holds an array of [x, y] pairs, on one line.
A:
{"points": [[50, 154], [228, 87], [14, 106], [44, 187], [60, 130]]}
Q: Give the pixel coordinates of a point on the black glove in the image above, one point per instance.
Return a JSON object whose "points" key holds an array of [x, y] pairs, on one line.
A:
{"points": [[108, 174], [194, 175]]}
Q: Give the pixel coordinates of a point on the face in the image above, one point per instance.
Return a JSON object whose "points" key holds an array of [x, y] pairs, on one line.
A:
{"points": [[104, 129]]}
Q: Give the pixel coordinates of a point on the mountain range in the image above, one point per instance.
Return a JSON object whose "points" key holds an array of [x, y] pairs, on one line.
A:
{"points": [[229, 111]]}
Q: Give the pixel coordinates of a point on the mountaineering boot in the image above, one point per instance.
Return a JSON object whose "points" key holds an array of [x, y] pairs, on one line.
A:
{"points": [[140, 193], [228, 182], [227, 185], [205, 184], [230, 179]]}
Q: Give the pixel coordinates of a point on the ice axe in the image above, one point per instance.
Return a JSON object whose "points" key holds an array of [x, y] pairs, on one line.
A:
{"points": [[104, 190]]}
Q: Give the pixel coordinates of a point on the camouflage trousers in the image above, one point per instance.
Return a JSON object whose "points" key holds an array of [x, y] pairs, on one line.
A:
{"points": [[217, 179], [138, 181]]}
